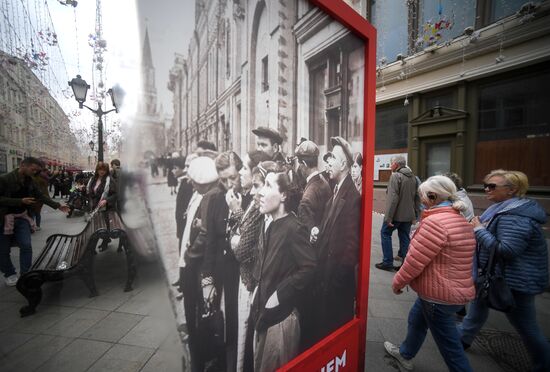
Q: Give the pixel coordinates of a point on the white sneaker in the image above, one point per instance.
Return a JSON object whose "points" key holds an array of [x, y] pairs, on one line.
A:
{"points": [[11, 280], [393, 350]]}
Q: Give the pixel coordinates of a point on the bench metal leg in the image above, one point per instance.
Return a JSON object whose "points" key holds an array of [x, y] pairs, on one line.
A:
{"points": [[87, 271], [130, 263], [29, 285]]}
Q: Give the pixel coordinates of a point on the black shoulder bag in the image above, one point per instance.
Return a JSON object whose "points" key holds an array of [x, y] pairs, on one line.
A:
{"points": [[492, 288]]}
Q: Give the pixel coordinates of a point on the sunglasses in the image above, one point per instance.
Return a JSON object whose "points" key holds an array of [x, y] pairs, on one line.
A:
{"points": [[432, 196], [491, 186]]}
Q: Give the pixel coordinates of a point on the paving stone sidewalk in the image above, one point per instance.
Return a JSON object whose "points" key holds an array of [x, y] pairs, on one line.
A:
{"points": [[115, 331]]}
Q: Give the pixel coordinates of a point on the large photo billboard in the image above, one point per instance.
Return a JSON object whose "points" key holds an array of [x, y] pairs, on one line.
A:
{"points": [[260, 227]]}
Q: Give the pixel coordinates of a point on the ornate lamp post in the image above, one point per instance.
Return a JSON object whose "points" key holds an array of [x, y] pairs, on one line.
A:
{"points": [[80, 89]]}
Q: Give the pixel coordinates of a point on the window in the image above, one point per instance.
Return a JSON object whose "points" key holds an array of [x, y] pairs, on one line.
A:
{"points": [[265, 74], [392, 124], [514, 108], [356, 68], [503, 8], [3, 162], [438, 158], [390, 19], [514, 127], [443, 20], [228, 53], [318, 101], [439, 99], [335, 71]]}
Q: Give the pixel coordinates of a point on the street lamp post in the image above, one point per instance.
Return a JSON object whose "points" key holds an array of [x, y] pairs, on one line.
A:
{"points": [[80, 89]]}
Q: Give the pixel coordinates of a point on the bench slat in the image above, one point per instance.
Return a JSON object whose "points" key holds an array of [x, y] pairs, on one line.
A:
{"points": [[51, 250]]}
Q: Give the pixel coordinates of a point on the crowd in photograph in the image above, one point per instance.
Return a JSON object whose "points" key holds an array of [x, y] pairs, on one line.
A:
{"points": [[269, 248]]}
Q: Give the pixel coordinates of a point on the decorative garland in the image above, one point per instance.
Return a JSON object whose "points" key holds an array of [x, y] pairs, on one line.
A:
{"points": [[72, 3], [48, 37], [432, 30], [36, 60]]}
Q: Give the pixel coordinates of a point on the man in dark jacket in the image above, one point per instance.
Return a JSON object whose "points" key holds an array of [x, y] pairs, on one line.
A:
{"points": [[220, 264], [18, 194], [402, 209], [311, 209], [316, 191], [203, 178], [338, 244]]}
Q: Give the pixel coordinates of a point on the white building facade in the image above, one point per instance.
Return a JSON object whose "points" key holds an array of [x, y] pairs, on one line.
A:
{"points": [[31, 121]]}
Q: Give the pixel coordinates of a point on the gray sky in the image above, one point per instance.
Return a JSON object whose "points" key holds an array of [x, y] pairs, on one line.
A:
{"points": [[170, 24]]}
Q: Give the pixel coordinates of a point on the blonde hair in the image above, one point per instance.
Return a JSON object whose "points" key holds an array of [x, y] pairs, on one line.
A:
{"points": [[443, 188], [515, 179]]}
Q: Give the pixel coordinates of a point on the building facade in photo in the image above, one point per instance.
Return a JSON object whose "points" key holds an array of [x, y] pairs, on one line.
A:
{"points": [[31, 121], [281, 64]]}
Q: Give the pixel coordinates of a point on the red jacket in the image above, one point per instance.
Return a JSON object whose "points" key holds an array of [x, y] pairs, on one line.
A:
{"points": [[439, 262]]}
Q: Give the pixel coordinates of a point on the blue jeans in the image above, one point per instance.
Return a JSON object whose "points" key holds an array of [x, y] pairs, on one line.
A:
{"points": [[403, 230], [22, 235], [524, 319], [440, 319]]}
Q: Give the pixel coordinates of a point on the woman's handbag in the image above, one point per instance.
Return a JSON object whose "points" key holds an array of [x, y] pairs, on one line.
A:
{"points": [[491, 287], [211, 327]]}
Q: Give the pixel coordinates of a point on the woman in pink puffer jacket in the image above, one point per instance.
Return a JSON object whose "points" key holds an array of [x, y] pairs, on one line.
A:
{"points": [[439, 268]]}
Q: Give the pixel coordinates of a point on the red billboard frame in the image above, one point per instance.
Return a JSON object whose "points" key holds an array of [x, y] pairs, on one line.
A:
{"points": [[344, 349]]}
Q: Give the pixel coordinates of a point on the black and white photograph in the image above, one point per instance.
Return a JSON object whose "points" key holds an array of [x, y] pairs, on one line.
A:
{"points": [[251, 185]]}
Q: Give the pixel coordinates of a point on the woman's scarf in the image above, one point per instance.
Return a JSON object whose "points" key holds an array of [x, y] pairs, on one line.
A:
{"points": [[497, 208]]}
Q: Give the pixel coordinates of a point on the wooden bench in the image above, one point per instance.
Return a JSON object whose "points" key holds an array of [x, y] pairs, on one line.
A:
{"points": [[66, 255]]}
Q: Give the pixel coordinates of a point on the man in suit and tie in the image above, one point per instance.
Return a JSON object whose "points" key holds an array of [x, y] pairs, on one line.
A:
{"points": [[338, 244]]}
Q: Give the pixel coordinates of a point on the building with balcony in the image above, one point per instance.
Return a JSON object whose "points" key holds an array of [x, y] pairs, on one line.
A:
{"points": [[281, 64]]}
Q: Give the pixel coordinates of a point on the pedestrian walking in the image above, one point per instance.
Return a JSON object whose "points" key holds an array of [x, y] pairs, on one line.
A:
{"points": [[468, 213], [439, 270], [512, 227], [172, 180], [402, 210], [18, 195]]}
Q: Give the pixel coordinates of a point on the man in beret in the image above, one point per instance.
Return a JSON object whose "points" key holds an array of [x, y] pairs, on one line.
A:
{"points": [[317, 193], [269, 141], [203, 177], [338, 243]]}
